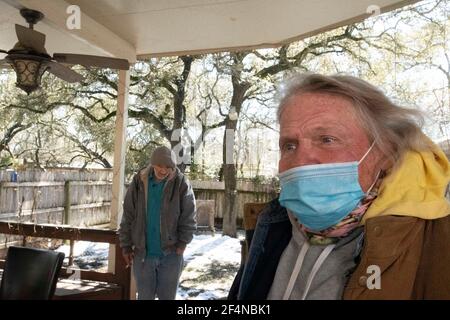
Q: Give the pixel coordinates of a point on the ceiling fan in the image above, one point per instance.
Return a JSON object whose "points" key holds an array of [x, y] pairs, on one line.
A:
{"points": [[30, 59]]}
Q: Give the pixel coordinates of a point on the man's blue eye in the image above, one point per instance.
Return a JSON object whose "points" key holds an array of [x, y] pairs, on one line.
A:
{"points": [[289, 146], [328, 139]]}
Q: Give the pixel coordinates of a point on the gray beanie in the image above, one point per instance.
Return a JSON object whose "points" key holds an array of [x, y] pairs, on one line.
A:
{"points": [[163, 156]]}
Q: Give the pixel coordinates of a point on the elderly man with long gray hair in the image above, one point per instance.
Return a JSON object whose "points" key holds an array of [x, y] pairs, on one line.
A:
{"points": [[362, 212], [158, 222]]}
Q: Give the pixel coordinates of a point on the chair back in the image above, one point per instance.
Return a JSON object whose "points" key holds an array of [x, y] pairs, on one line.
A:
{"points": [[30, 274]]}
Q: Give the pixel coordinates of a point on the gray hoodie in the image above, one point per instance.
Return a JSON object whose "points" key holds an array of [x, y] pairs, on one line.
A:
{"points": [[315, 280], [178, 213]]}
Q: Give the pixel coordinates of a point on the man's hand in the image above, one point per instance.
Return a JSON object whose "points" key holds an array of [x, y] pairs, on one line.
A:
{"points": [[179, 251], [128, 255]]}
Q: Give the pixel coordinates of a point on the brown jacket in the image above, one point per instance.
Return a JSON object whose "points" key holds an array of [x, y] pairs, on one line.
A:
{"points": [[413, 255]]}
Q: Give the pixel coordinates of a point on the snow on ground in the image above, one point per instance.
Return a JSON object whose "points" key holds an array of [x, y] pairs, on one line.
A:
{"points": [[210, 264], [87, 255]]}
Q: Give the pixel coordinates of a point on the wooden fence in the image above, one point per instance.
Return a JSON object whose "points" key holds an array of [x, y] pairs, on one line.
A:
{"points": [[83, 197], [247, 192], [58, 196]]}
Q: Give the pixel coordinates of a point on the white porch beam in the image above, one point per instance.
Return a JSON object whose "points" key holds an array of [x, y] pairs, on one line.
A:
{"points": [[119, 149], [119, 159], [91, 32]]}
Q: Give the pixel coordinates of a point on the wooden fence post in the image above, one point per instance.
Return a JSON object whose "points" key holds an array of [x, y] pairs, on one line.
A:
{"points": [[67, 202]]}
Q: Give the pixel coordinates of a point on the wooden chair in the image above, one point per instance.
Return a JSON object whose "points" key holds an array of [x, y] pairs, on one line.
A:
{"points": [[251, 213]]}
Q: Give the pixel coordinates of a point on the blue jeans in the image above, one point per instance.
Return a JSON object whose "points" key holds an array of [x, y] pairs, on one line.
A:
{"points": [[158, 276]]}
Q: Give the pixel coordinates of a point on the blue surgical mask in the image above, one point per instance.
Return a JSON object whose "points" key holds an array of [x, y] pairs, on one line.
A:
{"points": [[321, 195]]}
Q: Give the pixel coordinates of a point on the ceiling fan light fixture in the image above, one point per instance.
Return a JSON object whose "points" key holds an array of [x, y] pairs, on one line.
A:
{"points": [[29, 71], [30, 59]]}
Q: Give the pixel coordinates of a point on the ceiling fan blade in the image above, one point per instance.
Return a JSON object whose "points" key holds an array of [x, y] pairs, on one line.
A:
{"points": [[92, 61], [30, 38], [3, 51], [64, 73]]}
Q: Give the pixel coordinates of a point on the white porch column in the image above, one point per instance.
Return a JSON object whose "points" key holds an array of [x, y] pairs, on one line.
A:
{"points": [[119, 158], [119, 149], [119, 167]]}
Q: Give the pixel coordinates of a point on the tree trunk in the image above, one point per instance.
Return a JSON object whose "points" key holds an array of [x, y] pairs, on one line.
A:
{"points": [[229, 177], [229, 166], [179, 154], [179, 112]]}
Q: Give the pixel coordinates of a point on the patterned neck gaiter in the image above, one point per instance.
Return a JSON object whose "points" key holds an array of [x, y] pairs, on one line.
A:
{"points": [[346, 225]]}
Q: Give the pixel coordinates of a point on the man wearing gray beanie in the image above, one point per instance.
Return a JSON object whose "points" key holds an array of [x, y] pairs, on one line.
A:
{"points": [[158, 222]]}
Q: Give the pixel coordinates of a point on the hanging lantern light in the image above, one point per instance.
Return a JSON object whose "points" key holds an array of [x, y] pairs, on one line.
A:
{"points": [[29, 70]]}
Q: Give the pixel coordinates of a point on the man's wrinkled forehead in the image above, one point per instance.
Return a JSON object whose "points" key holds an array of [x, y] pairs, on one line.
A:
{"points": [[320, 99], [320, 112]]}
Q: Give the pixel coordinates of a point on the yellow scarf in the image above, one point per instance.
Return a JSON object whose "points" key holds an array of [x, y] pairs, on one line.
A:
{"points": [[416, 188]]}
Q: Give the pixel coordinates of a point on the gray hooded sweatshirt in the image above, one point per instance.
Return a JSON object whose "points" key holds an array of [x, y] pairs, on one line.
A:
{"points": [[178, 213], [323, 271]]}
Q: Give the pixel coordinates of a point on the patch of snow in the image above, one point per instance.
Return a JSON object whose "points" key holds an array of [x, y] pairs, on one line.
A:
{"points": [[210, 264], [87, 255]]}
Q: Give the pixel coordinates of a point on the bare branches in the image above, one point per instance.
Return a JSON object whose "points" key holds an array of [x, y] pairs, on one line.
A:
{"points": [[89, 115], [10, 133], [88, 153], [316, 47], [147, 116]]}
